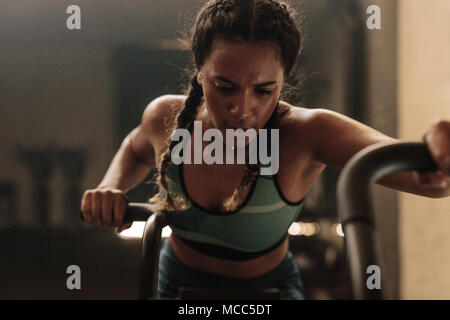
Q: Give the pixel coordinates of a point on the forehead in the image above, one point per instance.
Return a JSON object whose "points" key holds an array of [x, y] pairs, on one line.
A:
{"points": [[231, 56]]}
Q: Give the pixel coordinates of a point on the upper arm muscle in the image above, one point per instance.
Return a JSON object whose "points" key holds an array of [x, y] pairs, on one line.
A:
{"points": [[155, 118], [336, 137]]}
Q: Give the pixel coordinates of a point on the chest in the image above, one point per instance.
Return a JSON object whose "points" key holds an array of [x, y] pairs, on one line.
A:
{"points": [[211, 185]]}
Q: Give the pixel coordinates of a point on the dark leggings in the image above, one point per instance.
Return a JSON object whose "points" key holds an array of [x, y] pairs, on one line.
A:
{"points": [[173, 274]]}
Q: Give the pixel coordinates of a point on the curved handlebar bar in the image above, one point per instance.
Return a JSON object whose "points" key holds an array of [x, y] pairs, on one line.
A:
{"points": [[355, 207]]}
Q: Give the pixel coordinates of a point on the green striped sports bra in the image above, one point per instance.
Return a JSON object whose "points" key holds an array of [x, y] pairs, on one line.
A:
{"points": [[259, 225]]}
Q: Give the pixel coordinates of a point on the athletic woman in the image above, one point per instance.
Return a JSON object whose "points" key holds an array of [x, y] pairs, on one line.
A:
{"points": [[229, 221]]}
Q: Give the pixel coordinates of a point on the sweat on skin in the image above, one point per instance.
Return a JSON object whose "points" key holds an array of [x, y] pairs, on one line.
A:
{"points": [[213, 152]]}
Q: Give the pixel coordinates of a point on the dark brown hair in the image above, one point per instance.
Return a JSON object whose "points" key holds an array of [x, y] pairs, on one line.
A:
{"points": [[253, 20]]}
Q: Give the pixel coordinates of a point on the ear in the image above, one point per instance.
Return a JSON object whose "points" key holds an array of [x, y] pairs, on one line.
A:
{"points": [[200, 78]]}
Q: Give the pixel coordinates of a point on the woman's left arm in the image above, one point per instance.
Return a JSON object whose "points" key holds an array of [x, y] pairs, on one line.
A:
{"points": [[336, 138]]}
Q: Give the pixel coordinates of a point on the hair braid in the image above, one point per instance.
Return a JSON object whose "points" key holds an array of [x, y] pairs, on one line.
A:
{"points": [[185, 119], [231, 204]]}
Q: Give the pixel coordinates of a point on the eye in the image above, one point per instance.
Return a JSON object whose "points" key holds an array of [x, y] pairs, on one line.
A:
{"points": [[226, 90], [263, 92]]}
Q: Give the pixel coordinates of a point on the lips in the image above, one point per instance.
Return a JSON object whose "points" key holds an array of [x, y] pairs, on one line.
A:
{"points": [[238, 127]]}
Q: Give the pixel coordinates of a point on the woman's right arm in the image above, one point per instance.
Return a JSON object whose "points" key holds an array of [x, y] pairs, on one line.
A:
{"points": [[105, 205]]}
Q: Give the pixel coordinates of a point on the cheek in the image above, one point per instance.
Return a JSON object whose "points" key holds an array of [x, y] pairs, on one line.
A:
{"points": [[215, 101], [216, 106], [211, 97]]}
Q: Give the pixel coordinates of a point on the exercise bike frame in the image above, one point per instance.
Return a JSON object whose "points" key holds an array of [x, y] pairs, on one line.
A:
{"points": [[355, 206]]}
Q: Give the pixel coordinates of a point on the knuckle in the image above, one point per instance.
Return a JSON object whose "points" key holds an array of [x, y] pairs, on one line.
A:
{"points": [[118, 193], [86, 196], [107, 193]]}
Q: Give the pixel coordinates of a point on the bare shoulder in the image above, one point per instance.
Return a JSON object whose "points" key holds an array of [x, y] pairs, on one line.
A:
{"points": [[315, 122], [329, 125], [332, 137], [296, 145], [160, 114], [294, 120], [293, 112], [157, 119]]}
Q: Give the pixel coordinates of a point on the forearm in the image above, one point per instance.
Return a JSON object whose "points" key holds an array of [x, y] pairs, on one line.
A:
{"points": [[126, 170]]}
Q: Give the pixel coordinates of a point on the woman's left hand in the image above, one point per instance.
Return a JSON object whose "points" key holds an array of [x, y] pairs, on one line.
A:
{"points": [[437, 138]]}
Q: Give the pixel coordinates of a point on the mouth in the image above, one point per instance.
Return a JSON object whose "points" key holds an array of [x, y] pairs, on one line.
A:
{"points": [[245, 128]]}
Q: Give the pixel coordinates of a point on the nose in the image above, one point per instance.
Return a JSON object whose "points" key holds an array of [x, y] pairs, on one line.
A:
{"points": [[242, 107]]}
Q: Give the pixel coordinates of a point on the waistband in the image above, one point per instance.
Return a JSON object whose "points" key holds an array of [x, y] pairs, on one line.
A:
{"points": [[226, 253]]}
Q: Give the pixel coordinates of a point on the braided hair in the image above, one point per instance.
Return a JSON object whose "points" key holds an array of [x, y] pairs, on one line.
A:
{"points": [[253, 20]]}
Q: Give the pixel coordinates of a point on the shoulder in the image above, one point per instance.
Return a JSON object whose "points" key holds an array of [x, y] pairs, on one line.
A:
{"points": [[316, 122], [331, 137], [157, 122], [304, 130], [159, 117], [294, 120], [295, 117], [163, 110]]}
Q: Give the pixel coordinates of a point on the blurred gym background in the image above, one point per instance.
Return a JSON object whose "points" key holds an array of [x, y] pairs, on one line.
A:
{"points": [[69, 97]]}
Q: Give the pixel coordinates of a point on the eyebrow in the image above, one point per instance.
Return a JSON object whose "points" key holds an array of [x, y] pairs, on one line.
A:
{"points": [[264, 84]]}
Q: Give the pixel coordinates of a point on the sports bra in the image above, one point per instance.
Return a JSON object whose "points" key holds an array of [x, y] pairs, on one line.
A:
{"points": [[258, 226]]}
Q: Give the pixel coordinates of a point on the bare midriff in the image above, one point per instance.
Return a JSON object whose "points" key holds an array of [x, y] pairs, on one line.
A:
{"points": [[230, 268]]}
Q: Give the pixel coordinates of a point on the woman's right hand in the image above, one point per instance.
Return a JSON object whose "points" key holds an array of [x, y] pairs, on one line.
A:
{"points": [[105, 207]]}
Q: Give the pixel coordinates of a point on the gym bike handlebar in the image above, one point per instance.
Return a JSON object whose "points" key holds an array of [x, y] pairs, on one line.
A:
{"points": [[355, 208]]}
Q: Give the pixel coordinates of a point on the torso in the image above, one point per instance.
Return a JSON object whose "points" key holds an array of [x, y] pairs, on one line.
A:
{"points": [[297, 171]]}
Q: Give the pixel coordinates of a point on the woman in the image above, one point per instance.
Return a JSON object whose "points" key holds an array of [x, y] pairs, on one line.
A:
{"points": [[233, 233]]}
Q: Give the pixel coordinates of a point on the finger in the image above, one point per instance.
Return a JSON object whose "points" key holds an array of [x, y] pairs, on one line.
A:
{"points": [[425, 178], [108, 202], [120, 207], [97, 209], [438, 141], [432, 180], [86, 206], [124, 226]]}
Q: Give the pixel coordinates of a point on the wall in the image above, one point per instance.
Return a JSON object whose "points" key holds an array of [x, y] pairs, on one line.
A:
{"points": [[423, 95], [59, 90]]}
